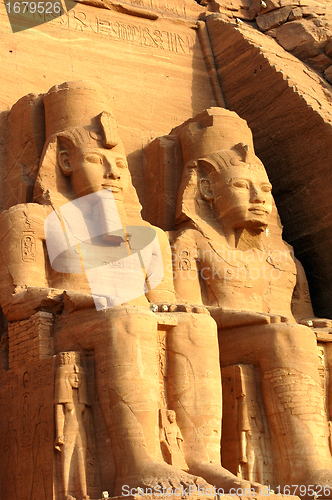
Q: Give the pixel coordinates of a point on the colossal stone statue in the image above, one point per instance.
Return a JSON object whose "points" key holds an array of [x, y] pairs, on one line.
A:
{"points": [[83, 159], [230, 257]]}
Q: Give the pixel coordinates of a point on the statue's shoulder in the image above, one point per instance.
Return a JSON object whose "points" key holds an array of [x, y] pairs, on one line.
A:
{"points": [[27, 208], [188, 236], [24, 217]]}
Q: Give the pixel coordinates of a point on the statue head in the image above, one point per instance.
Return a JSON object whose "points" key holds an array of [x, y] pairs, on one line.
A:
{"points": [[83, 152], [238, 192], [171, 415], [70, 375], [223, 180]]}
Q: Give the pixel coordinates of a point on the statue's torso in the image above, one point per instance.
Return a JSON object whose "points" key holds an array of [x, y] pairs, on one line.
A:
{"points": [[259, 280]]}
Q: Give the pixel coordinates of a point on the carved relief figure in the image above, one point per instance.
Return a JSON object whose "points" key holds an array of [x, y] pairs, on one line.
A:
{"points": [[71, 404], [10, 447], [41, 467], [252, 444], [84, 159], [172, 440], [245, 273]]}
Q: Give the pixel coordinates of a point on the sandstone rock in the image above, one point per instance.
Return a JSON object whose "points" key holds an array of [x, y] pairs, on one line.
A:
{"points": [[270, 5], [319, 63], [273, 19], [328, 48], [302, 38], [328, 74], [295, 14], [272, 33]]}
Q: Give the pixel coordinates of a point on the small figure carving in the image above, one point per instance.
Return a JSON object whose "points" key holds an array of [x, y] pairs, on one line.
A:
{"points": [[71, 404], [252, 443], [171, 440]]}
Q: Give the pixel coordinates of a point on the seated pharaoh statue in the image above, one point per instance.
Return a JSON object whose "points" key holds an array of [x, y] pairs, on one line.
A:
{"points": [[103, 273], [230, 257]]}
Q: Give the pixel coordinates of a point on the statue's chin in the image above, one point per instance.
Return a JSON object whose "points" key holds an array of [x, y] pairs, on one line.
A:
{"points": [[253, 226]]}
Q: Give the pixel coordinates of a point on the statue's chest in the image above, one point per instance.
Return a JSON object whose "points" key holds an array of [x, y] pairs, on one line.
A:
{"points": [[258, 270]]}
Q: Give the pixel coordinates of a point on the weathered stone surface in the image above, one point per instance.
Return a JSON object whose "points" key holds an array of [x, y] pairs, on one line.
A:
{"points": [[328, 48], [328, 74], [302, 38], [295, 14], [273, 19], [319, 63], [275, 92]]}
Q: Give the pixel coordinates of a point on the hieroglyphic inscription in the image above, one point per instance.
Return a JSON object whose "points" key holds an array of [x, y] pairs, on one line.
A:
{"points": [[160, 6], [26, 431], [133, 33], [162, 363], [130, 32]]}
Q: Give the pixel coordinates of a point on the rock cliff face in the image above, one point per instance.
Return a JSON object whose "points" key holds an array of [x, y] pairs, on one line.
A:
{"points": [[302, 27]]}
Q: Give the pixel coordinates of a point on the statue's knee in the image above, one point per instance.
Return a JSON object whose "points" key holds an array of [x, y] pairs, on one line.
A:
{"points": [[199, 330]]}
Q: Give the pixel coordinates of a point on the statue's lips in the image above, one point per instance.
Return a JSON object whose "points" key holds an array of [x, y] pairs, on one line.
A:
{"points": [[113, 187], [258, 211]]}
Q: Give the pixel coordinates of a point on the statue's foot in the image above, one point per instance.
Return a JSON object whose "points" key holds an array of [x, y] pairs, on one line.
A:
{"points": [[223, 479], [69, 497], [162, 479]]}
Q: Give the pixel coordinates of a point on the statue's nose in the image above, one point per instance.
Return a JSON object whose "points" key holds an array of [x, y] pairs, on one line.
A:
{"points": [[257, 196], [112, 170]]}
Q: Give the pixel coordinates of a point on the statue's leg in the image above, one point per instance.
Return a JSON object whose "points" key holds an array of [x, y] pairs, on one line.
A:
{"points": [[124, 341], [287, 356], [194, 392], [81, 464], [66, 458]]}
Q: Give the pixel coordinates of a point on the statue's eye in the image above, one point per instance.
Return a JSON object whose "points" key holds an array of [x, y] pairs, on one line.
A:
{"points": [[93, 159], [121, 164], [240, 183], [267, 188]]}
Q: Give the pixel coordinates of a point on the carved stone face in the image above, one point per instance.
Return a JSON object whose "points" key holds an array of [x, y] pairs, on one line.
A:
{"points": [[171, 417], [242, 196], [94, 169], [75, 380]]}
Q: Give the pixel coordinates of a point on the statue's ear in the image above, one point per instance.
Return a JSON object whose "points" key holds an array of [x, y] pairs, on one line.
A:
{"points": [[64, 163], [205, 189]]}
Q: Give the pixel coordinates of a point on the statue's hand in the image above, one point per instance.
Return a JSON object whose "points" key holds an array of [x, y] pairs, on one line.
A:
{"points": [[316, 322], [232, 318], [60, 441], [198, 309]]}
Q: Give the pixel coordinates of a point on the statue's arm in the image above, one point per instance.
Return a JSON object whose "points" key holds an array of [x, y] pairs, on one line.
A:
{"points": [[185, 270], [164, 291], [24, 287], [59, 426], [187, 248], [301, 302]]}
